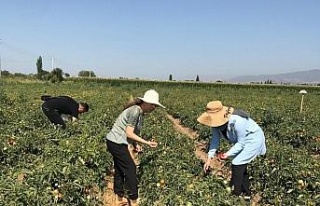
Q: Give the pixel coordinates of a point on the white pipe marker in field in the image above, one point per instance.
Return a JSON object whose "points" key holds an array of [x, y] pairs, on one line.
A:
{"points": [[302, 92]]}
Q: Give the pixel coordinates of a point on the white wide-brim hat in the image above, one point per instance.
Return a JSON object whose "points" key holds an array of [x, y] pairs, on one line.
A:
{"points": [[151, 97]]}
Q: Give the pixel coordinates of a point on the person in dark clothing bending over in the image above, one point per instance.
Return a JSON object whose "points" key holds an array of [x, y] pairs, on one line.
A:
{"points": [[54, 107]]}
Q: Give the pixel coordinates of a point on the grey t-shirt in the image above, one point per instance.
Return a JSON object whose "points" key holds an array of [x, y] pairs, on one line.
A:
{"points": [[132, 116]]}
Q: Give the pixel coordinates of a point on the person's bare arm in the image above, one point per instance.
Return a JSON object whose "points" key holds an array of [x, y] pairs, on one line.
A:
{"points": [[130, 134]]}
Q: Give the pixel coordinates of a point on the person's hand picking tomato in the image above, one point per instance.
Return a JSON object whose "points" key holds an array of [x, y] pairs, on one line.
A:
{"points": [[222, 156]]}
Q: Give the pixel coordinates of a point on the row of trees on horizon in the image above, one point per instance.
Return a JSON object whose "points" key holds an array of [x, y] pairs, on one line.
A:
{"points": [[197, 78], [56, 75]]}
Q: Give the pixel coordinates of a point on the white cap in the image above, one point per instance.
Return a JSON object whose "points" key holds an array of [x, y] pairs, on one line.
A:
{"points": [[152, 97]]}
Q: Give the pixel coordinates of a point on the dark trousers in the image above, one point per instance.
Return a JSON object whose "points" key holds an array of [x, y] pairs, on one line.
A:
{"points": [[125, 170], [240, 179], [53, 116]]}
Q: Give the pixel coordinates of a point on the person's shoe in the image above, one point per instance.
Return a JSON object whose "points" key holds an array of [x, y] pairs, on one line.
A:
{"points": [[246, 197], [120, 201], [133, 203]]}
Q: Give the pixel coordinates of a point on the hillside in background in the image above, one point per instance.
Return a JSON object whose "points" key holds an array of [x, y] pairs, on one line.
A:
{"points": [[310, 76]]}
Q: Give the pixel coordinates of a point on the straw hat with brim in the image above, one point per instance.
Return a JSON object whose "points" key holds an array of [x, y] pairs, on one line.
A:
{"points": [[151, 97], [216, 114]]}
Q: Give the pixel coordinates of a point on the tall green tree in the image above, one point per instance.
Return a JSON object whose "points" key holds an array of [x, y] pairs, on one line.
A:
{"points": [[170, 77], [39, 68], [197, 79]]}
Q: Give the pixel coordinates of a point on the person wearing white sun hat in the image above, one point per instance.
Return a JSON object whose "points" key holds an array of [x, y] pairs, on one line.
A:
{"points": [[238, 128], [127, 127]]}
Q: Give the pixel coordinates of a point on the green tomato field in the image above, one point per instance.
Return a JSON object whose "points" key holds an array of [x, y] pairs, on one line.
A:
{"points": [[41, 165]]}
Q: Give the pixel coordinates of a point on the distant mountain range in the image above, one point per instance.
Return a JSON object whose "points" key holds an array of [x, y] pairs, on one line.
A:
{"points": [[310, 76]]}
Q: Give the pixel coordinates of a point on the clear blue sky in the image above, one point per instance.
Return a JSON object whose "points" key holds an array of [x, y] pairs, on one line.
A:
{"points": [[215, 39]]}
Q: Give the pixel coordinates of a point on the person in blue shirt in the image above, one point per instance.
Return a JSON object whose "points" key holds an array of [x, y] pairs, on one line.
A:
{"points": [[244, 133]]}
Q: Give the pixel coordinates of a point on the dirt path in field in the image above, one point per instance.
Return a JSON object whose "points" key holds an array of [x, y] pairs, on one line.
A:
{"points": [[200, 148], [108, 195]]}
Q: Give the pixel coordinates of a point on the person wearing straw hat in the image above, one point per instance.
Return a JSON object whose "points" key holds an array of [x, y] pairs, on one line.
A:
{"points": [[238, 128], [127, 127]]}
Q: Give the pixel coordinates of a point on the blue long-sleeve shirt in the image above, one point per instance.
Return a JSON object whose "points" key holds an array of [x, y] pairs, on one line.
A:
{"points": [[246, 135]]}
